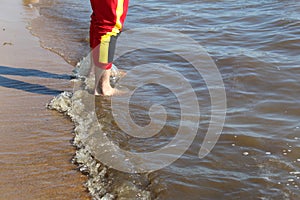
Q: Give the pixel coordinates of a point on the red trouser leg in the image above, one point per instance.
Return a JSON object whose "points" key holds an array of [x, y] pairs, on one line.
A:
{"points": [[106, 23]]}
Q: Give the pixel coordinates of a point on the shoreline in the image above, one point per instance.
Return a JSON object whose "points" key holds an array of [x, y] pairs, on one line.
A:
{"points": [[35, 144]]}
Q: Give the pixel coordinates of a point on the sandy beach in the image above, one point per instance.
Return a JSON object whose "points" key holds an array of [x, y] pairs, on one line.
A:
{"points": [[255, 46], [35, 142]]}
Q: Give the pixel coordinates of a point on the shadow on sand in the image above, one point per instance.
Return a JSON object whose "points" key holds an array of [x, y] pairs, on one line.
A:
{"points": [[29, 87]]}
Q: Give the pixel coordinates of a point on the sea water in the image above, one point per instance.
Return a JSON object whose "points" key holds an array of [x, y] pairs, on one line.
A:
{"points": [[255, 46]]}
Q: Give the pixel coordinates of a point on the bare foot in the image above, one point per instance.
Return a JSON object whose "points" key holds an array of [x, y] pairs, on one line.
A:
{"points": [[102, 84], [109, 91], [105, 90]]}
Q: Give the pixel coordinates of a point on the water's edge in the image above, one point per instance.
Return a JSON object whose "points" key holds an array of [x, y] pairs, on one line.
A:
{"points": [[98, 183], [255, 48], [103, 182]]}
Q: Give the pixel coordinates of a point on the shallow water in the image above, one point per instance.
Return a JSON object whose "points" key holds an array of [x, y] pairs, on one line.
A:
{"points": [[255, 46]]}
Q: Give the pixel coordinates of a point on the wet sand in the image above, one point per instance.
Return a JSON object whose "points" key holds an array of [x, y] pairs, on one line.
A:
{"points": [[35, 142], [255, 45]]}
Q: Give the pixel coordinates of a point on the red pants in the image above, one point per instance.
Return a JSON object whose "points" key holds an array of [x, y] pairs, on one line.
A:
{"points": [[106, 23]]}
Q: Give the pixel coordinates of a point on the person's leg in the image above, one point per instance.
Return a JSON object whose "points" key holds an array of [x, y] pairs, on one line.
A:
{"points": [[107, 22], [102, 62], [102, 82]]}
